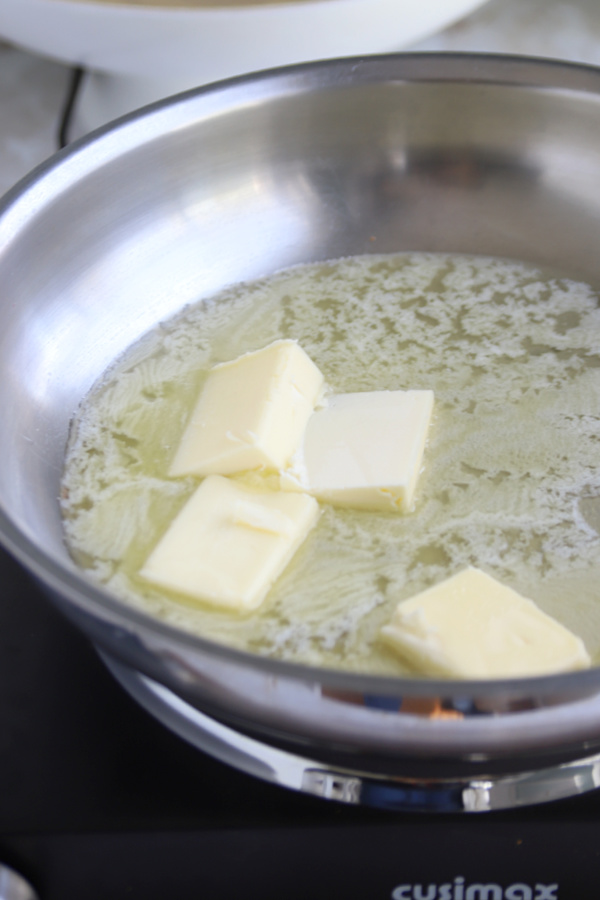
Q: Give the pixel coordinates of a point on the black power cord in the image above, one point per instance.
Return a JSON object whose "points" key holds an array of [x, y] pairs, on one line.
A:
{"points": [[64, 125]]}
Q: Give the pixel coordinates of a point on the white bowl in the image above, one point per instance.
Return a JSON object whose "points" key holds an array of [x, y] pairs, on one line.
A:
{"points": [[139, 53], [214, 41]]}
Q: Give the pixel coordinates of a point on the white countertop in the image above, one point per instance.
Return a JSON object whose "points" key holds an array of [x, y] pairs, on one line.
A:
{"points": [[32, 89]]}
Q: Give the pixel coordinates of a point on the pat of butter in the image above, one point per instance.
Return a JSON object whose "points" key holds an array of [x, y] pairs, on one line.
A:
{"points": [[251, 412], [472, 626], [229, 543], [364, 450]]}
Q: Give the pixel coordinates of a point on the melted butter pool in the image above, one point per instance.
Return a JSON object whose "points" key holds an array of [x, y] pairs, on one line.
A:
{"points": [[511, 479]]}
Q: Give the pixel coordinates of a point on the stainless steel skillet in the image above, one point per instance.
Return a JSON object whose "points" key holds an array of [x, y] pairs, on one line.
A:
{"points": [[471, 154]]}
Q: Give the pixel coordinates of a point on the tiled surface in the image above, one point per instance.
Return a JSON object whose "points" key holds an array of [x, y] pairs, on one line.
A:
{"points": [[32, 90], [563, 29]]}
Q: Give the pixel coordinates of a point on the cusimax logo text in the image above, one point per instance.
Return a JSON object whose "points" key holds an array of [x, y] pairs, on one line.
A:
{"points": [[458, 890]]}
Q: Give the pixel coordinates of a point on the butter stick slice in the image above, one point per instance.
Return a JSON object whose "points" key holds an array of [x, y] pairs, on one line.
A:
{"points": [[364, 450], [472, 626], [229, 543], [251, 413]]}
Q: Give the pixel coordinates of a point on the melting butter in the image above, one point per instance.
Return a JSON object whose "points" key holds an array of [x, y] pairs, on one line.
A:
{"points": [[251, 413], [229, 543], [509, 476], [364, 450], [471, 626]]}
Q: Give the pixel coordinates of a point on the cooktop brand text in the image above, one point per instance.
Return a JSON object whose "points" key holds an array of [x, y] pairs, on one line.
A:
{"points": [[458, 890]]}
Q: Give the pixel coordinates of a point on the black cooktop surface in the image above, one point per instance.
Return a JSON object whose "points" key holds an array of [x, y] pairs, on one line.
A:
{"points": [[98, 801]]}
